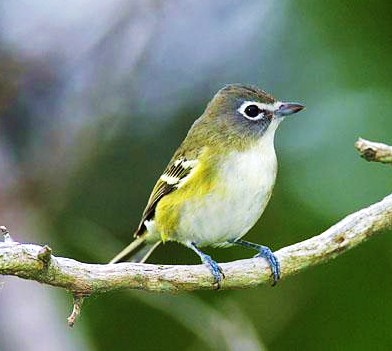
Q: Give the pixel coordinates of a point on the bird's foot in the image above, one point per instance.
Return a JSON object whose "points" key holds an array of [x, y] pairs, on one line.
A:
{"points": [[215, 270], [266, 253]]}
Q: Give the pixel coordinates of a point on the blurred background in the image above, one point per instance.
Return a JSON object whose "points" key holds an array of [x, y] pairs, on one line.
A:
{"points": [[94, 98]]}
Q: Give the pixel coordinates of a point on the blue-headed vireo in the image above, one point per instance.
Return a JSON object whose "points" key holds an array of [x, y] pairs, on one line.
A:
{"points": [[219, 181]]}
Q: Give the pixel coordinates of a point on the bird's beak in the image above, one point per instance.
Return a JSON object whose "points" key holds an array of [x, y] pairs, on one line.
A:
{"points": [[288, 108]]}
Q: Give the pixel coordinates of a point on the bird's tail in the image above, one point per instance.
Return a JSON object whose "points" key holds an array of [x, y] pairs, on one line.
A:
{"points": [[137, 251]]}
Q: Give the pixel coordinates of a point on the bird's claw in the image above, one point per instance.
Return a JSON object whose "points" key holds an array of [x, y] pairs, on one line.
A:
{"points": [[266, 253], [215, 270]]}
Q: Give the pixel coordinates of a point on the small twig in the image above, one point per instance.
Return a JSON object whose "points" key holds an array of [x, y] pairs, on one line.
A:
{"points": [[77, 307], [6, 234], [372, 151]]}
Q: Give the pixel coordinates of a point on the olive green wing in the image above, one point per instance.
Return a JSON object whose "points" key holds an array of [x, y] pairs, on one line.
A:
{"points": [[173, 177]]}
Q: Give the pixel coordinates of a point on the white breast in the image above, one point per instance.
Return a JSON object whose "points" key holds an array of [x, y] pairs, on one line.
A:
{"points": [[228, 212]]}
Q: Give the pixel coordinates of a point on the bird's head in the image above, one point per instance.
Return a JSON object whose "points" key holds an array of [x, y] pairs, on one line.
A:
{"points": [[246, 111]]}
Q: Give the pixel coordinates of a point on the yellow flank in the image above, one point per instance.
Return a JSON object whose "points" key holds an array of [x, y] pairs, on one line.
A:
{"points": [[200, 182]]}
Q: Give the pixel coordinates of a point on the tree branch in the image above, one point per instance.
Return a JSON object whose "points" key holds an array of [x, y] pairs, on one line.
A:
{"points": [[372, 151], [34, 262], [24, 261]]}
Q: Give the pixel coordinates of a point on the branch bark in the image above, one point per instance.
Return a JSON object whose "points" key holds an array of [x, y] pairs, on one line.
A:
{"points": [[83, 279], [35, 262], [372, 151]]}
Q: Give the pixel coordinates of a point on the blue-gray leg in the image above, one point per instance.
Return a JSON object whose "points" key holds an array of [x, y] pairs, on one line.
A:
{"points": [[214, 268], [264, 252]]}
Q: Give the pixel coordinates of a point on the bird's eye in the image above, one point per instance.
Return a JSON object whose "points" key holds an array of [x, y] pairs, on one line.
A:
{"points": [[252, 111]]}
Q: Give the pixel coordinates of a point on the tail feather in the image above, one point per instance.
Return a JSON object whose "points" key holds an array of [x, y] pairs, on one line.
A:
{"points": [[137, 251], [144, 253]]}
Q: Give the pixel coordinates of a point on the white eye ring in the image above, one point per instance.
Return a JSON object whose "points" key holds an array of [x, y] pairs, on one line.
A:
{"points": [[249, 112]]}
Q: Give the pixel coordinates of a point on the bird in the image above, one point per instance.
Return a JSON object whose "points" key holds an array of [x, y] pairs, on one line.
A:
{"points": [[218, 182]]}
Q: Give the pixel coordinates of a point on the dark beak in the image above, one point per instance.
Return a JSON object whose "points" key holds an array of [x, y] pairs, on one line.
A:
{"points": [[288, 108]]}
